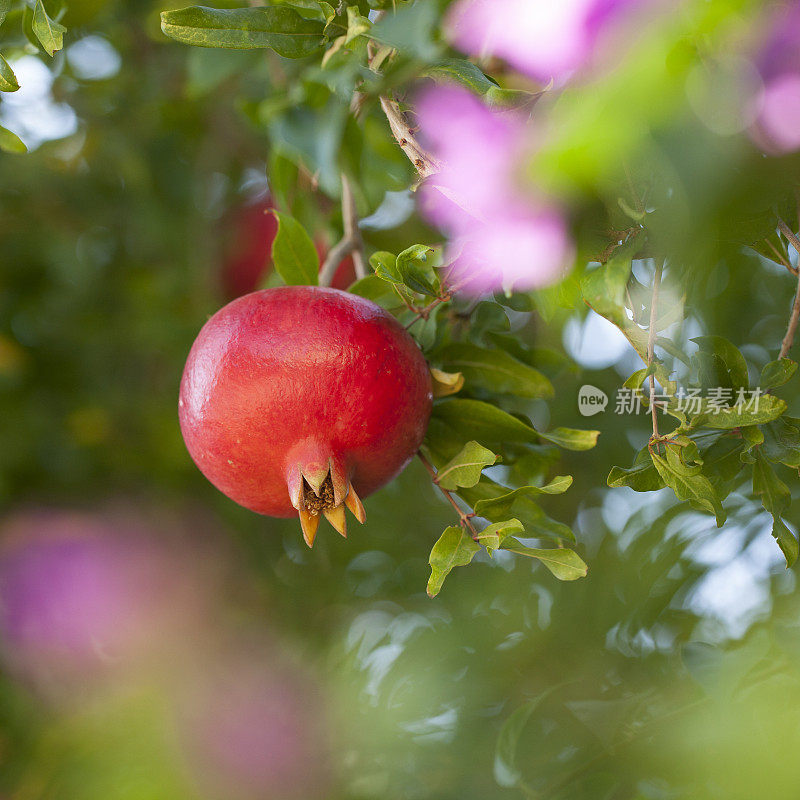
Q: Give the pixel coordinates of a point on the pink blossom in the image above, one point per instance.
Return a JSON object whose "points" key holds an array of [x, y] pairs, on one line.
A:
{"points": [[778, 126], [501, 235], [542, 38]]}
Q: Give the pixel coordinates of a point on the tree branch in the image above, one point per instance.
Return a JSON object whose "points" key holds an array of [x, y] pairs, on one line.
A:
{"points": [[463, 518], [789, 234], [651, 344], [424, 162], [788, 340], [794, 318], [350, 243]]}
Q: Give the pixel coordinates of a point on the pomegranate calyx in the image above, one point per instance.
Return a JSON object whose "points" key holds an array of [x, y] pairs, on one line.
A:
{"points": [[313, 493]]}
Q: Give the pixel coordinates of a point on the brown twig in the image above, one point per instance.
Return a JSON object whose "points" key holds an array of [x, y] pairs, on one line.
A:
{"points": [[350, 221], [789, 234], [780, 258], [424, 162], [350, 243], [424, 313], [794, 318], [651, 345], [463, 517]]}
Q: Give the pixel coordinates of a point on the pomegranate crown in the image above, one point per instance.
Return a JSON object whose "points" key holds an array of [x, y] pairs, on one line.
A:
{"points": [[316, 488]]}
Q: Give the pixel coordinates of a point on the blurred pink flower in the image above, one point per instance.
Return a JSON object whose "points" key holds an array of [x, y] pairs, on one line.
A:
{"points": [[81, 594], [777, 129], [252, 728], [502, 237], [542, 38]]}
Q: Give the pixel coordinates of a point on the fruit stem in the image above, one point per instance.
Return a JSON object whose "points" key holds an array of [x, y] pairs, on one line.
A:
{"points": [[651, 345], [464, 518], [350, 243]]}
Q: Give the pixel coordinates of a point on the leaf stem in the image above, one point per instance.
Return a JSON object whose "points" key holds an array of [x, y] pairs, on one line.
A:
{"points": [[651, 345], [464, 518]]}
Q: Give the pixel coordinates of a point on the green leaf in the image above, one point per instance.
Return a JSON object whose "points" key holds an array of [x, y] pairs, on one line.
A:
{"points": [[385, 266], [776, 498], [565, 564], [506, 772], [502, 505], [8, 80], [777, 373], [356, 24], [5, 7], [293, 253], [734, 363], [466, 74], [279, 28], [494, 371], [49, 32], [604, 291], [571, 438], [413, 268], [473, 419], [782, 441], [454, 549], [697, 489], [492, 536], [753, 411], [10, 142], [465, 469], [410, 29]]}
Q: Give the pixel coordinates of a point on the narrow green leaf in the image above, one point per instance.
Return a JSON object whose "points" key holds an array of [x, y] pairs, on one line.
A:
{"points": [[293, 253], [777, 373], [8, 80], [565, 564], [279, 28], [776, 498], [473, 419], [571, 438], [494, 370], [466, 74], [492, 536], [752, 411], [697, 489], [5, 7], [502, 505], [506, 771], [49, 32], [465, 469], [10, 142], [454, 549]]}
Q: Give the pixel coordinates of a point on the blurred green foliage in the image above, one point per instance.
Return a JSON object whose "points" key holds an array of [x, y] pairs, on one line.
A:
{"points": [[670, 670]]}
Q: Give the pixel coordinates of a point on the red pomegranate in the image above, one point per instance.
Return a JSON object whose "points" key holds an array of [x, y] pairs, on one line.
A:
{"points": [[299, 400], [248, 258]]}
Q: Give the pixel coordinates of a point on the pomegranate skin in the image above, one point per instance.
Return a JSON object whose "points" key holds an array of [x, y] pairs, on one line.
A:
{"points": [[302, 382]]}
